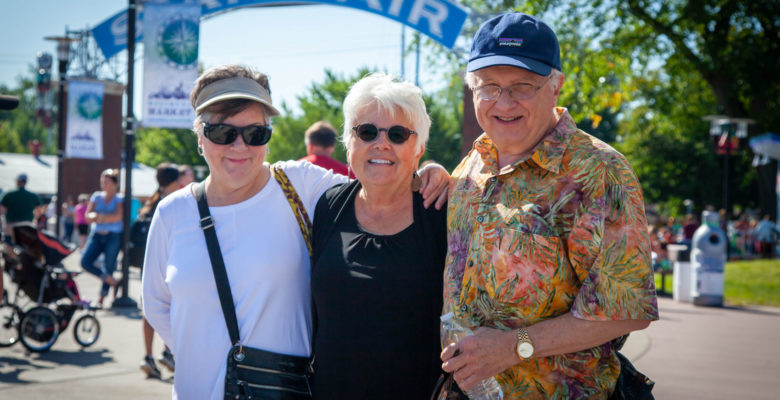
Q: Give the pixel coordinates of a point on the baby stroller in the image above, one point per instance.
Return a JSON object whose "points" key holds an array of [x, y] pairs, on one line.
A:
{"points": [[33, 262]]}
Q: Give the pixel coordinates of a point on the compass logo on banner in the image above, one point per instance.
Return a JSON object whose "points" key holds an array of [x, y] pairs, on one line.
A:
{"points": [[90, 106], [178, 42]]}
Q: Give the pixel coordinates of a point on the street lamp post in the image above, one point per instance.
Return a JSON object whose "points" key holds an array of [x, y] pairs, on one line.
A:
{"points": [[727, 131], [125, 300], [63, 55]]}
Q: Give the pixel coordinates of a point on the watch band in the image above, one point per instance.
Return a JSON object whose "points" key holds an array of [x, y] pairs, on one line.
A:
{"points": [[522, 335]]}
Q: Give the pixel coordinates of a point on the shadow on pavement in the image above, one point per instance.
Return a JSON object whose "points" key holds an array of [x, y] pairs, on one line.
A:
{"points": [[10, 368], [83, 358], [126, 312], [13, 367], [753, 310]]}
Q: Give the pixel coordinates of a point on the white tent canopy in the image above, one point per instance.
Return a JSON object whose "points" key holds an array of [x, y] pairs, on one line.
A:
{"points": [[42, 175]]}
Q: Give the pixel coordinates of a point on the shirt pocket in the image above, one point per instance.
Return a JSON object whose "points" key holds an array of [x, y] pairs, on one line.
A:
{"points": [[525, 266]]}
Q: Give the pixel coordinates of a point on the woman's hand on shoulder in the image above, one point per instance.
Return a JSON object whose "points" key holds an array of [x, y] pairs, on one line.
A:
{"points": [[435, 185]]}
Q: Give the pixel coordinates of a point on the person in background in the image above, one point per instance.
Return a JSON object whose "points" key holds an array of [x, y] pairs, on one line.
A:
{"points": [[186, 175], [167, 182], [68, 208], [104, 213], [690, 225], [320, 141], [20, 206], [80, 219], [766, 234], [50, 215], [549, 256], [378, 255], [135, 208]]}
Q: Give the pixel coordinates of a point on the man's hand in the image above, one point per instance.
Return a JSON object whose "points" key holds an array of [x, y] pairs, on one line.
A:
{"points": [[486, 353], [435, 185]]}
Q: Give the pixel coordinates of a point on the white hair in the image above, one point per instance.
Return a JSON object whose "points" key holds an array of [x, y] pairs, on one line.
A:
{"points": [[555, 77], [382, 93]]}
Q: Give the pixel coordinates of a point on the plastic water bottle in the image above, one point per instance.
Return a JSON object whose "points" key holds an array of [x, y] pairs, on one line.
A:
{"points": [[452, 331]]}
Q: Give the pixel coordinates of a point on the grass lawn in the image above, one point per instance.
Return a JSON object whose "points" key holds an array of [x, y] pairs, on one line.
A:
{"points": [[755, 282]]}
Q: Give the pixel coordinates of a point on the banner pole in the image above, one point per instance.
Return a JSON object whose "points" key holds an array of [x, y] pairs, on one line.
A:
{"points": [[125, 301]]}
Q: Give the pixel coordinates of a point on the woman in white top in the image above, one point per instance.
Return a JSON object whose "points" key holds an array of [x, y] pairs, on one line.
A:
{"points": [[265, 256]]}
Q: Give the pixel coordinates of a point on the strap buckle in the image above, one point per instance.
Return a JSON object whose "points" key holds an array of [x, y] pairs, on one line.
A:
{"points": [[206, 222]]}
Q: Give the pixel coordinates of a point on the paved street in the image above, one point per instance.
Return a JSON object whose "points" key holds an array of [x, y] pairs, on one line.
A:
{"points": [[691, 353], [109, 369]]}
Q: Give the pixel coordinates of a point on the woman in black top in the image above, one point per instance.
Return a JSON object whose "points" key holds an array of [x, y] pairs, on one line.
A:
{"points": [[378, 256]]}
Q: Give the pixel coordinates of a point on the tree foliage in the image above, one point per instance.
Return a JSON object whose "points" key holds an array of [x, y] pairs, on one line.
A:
{"points": [[156, 145], [19, 126]]}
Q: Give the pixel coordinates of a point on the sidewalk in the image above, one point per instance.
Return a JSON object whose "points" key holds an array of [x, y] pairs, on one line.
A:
{"points": [[691, 353], [711, 353], [109, 369]]}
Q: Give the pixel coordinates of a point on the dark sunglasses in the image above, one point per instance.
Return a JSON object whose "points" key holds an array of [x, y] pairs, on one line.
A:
{"points": [[253, 135], [396, 133]]}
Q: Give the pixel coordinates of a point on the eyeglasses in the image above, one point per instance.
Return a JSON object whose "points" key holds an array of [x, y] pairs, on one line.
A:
{"points": [[518, 91], [396, 133], [253, 135]]}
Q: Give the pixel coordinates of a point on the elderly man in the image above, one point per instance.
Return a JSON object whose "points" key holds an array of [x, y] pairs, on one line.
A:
{"points": [[549, 258]]}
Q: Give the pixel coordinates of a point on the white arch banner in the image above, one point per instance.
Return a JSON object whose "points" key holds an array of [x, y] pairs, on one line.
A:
{"points": [[441, 20]]}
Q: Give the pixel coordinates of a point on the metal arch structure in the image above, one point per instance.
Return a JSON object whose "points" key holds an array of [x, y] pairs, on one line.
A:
{"points": [[441, 20]]}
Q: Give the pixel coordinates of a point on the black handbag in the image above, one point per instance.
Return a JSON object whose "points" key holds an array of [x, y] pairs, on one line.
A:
{"points": [[447, 389], [251, 373], [631, 384]]}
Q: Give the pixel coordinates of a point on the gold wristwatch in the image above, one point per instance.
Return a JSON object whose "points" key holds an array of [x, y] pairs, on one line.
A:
{"points": [[524, 347]]}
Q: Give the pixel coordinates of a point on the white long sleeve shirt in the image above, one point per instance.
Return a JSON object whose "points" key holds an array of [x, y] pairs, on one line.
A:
{"points": [[268, 269]]}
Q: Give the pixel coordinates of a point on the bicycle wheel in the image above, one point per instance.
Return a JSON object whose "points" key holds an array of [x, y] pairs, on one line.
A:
{"points": [[10, 316], [39, 329], [86, 330]]}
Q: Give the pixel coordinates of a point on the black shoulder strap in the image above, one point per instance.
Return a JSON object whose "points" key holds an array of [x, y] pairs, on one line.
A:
{"points": [[217, 265]]}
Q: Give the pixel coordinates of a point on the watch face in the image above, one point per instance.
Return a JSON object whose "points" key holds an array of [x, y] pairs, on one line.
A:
{"points": [[525, 350]]}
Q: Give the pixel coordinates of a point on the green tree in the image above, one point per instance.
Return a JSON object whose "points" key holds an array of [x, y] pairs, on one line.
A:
{"points": [[20, 126], [156, 145]]}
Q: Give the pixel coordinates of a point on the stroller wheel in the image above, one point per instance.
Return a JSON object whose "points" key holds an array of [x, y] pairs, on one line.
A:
{"points": [[86, 330], [10, 316], [39, 329]]}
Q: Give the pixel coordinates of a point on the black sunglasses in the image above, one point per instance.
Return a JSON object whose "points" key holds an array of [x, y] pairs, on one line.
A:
{"points": [[396, 133], [253, 135]]}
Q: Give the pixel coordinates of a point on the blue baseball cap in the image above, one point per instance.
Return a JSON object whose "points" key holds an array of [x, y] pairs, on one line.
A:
{"points": [[518, 40]]}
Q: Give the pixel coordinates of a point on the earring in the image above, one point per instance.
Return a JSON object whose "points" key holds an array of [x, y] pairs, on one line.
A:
{"points": [[200, 151], [416, 181]]}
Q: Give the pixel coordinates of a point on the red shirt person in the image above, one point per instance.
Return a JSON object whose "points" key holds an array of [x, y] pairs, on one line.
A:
{"points": [[320, 142]]}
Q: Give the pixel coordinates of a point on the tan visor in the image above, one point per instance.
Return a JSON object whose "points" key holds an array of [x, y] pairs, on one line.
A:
{"points": [[234, 88]]}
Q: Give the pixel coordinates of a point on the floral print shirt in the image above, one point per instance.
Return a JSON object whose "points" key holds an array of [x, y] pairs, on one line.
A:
{"points": [[560, 231]]}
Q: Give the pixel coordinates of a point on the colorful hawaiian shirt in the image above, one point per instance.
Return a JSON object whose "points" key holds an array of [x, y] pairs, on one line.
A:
{"points": [[561, 231]]}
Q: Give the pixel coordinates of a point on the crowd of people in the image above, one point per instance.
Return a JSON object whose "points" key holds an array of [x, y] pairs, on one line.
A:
{"points": [[747, 236]]}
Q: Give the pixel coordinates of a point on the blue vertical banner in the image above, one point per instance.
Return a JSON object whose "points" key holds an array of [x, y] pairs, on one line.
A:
{"points": [[170, 63], [84, 134]]}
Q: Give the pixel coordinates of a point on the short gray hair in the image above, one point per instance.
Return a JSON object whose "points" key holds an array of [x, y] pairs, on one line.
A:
{"points": [[386, 94]]}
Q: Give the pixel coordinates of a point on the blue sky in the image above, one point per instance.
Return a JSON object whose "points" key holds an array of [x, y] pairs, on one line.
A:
{"points": [[294, 45]]}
